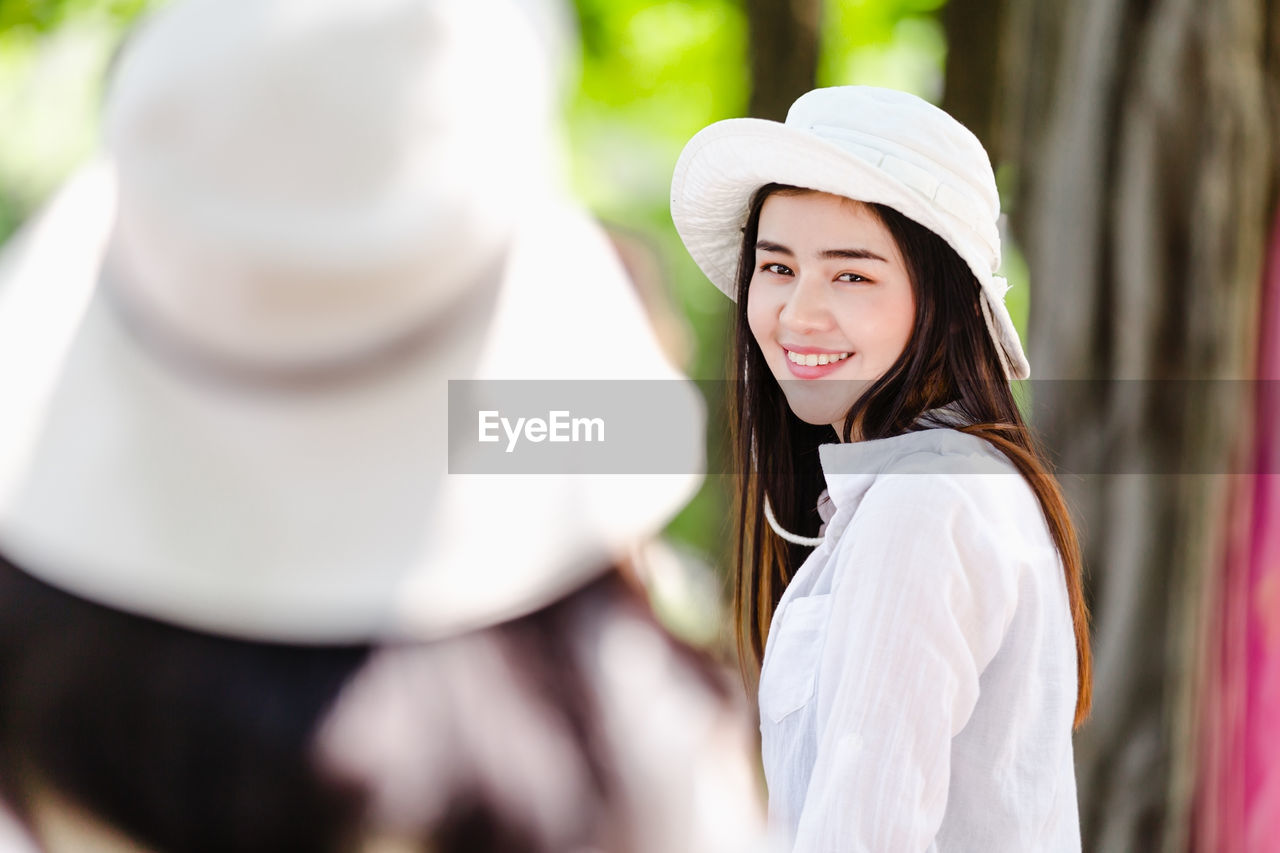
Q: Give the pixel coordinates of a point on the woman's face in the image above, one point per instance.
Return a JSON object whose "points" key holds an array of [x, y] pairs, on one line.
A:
{"points": [[829, 286]]}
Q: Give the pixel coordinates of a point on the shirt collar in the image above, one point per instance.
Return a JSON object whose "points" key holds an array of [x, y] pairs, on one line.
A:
{"points": [[850, 469]]}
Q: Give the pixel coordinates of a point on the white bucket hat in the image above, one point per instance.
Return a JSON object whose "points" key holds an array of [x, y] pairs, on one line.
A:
{"points": [[225, 350], [869, 144]]}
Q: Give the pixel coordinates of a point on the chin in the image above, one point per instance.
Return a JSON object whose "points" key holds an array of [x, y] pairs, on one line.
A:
{"points": [[817, 413], [822, 402]]}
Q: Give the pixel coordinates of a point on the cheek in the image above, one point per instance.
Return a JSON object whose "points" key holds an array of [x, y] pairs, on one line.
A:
{"points": [[885, 323], [906, 321]]}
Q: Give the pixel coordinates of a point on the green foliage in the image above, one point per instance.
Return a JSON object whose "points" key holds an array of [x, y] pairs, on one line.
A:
{"points": [[894, 43], [53, 54], [653, 74], [47, 15]]}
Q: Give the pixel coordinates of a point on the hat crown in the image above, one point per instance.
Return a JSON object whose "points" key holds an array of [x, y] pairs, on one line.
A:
{"points": [[915, 141], [290, 173]]}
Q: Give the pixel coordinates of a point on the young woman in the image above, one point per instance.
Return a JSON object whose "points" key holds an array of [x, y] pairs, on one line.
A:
{"points": [[925, 655]]}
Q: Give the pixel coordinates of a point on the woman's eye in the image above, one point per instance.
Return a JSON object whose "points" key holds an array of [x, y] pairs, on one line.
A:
{"points": [[776, 269], [851, 277]]}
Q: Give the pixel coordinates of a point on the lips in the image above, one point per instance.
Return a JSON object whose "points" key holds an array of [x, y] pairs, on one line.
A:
{"points": [[806, 362]]}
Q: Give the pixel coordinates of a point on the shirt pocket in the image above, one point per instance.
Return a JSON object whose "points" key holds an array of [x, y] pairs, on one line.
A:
{"points": [[787, 682]]}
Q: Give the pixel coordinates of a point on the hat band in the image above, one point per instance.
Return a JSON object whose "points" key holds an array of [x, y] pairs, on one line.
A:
{"points": [[165, 344]]}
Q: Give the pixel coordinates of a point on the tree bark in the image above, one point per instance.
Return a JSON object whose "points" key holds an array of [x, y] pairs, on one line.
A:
{"points": [[784, 53], [1141, 134], [973, 61]]}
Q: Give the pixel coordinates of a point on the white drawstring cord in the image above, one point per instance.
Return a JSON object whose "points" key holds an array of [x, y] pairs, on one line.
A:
{"points": [[811, 542]]}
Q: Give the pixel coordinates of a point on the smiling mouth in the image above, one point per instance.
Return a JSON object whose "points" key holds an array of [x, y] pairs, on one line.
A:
{"points": [[814, 359]]}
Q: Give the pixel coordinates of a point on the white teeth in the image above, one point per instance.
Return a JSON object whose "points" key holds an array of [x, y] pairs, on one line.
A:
{"points": [[815, 359]]}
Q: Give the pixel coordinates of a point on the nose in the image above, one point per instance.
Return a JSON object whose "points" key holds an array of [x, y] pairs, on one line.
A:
{"points": [[807, 309]]}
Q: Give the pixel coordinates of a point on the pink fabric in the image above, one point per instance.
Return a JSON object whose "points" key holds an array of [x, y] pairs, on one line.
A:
{"points": [[1262, 720], [1238, 807]]}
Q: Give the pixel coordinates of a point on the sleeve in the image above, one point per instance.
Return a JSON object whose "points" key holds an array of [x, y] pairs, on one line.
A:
{"points": [[922, 599]]}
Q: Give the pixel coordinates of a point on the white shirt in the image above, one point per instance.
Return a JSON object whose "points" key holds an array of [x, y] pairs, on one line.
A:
{"points": [[919, 679]]}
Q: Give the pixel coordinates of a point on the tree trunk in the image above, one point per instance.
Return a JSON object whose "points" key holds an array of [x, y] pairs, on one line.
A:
{"points": [[784, 53], [1141, 135], [973, 61]]}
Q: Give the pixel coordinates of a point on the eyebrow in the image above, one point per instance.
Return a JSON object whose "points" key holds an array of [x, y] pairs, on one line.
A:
{"points": [[825, 254]]}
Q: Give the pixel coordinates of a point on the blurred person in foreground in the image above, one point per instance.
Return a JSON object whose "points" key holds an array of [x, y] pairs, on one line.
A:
{"points": [[243, 604]]}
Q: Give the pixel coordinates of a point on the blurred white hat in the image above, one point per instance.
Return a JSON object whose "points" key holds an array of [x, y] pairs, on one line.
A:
{"points": [[860, 142], [225, 349]]}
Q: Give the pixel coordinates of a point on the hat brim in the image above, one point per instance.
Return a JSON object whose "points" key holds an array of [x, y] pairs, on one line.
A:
{"points": [[725, 163], [318, 515]]}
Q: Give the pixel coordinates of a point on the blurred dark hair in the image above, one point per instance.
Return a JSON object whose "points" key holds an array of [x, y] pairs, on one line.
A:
{"points": [[948, 359], [188, 741]]}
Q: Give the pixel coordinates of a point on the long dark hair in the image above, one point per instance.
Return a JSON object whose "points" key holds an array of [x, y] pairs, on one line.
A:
{"points": [[949, 359]]}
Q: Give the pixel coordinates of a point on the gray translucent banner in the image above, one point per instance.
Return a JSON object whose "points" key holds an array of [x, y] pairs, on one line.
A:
{"points": [[631, 427], [576, 427]]}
